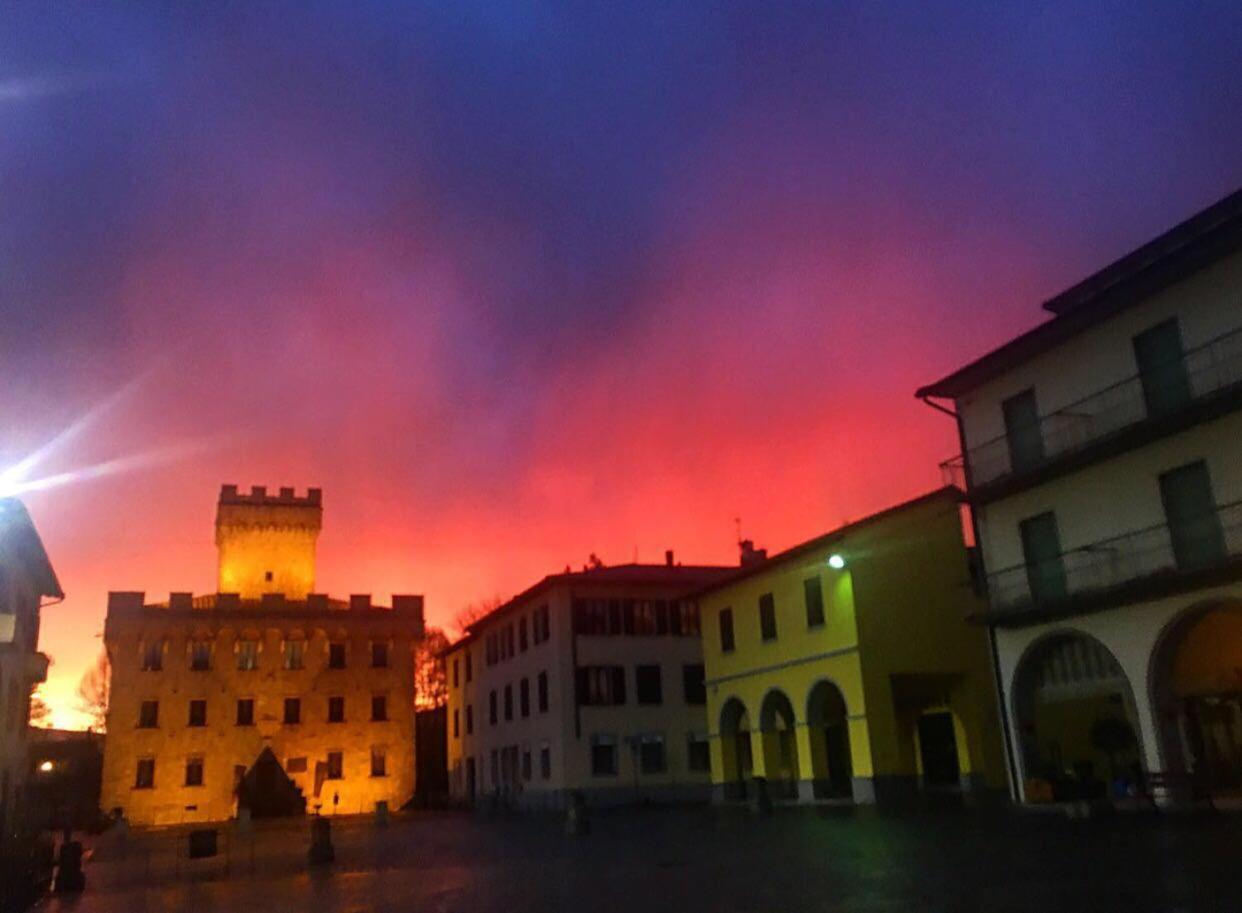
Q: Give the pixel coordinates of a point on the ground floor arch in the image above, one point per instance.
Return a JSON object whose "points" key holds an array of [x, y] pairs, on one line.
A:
{"points": [[1196, 695], [828, 728], [777, 726], [736, 759], [1076, 720]]}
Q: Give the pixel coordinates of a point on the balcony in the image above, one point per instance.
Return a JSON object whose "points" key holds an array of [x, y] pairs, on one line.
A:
{"points": [[1200, 375], [1137, 565]]}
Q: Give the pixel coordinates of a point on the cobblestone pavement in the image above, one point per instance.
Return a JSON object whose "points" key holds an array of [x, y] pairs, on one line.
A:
{"points": [[690, 860]]}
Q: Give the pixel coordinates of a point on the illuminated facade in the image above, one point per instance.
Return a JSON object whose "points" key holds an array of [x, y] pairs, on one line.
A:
{"points": [[26, 577], [844, 668], [589, 681], [204, 686], [1101, 461]]}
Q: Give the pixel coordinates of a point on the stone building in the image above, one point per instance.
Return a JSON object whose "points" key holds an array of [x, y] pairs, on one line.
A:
{"points": [[264, 695], [26, 576], [1100, 456], [589, 681]]}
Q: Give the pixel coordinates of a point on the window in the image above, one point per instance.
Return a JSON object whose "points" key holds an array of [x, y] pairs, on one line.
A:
{"points": [[643, 613], [379, 762], [193, 771], [1194, 522], [526, 771], [726, 630], [647, 685], [469, 667], [456, 723], [336, 710], [814, 592], [491, 707], [651, 757], [144, 778], [495, 764], [149, 715], [522, 638], [152, 656], [379, 656], [603, 755], [379, 708], [543, 692], [336, 766], [524, 697], [295, 766], [336, 656], [293, 654], [591, 616], [698, 755], [198, 713], [247, 655], [693, 685], [509, 640], [267, 576], [683, 619], [454, 672], [200, 656], [767, 617], [293, 710], [508, 702], [542, 625], [469, 719], [1041, 548], [245, 711], [1162, 368], [600, 685], [1023, 434], [545, 760]]}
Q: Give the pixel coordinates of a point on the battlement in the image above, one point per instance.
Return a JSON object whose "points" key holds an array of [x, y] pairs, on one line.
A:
{"points": [[258, 497], [181, 601]]}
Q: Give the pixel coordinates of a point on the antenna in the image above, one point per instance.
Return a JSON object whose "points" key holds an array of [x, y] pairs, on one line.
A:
{"points": [[737, 522]]}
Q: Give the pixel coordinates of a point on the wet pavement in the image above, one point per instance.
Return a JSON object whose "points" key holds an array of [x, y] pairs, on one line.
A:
{"points": [[691, 860]]}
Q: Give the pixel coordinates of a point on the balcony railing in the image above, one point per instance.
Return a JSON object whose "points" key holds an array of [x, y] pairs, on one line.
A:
{"points": [[1200, 373], [1211, 541]]}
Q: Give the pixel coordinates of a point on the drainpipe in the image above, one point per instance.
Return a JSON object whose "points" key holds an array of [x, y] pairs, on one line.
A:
{"points": [[994, 655]]}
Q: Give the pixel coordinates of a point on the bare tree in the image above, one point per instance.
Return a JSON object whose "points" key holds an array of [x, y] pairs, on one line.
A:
{"points": [[93, 691], [430, 686], [474, 611], [40, 712]]}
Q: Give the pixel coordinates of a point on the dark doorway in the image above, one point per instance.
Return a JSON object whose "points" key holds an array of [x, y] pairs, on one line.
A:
{"points": [[938, 747], [267, 791]]}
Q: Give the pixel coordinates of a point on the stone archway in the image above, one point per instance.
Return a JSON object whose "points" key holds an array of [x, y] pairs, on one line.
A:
{"points": [[780, 744], [832, 764], [1077, 725], [735, 751], [1196, 695]]}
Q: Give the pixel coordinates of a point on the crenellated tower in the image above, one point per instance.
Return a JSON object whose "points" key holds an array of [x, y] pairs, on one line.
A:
{"points": [[266, 543]]}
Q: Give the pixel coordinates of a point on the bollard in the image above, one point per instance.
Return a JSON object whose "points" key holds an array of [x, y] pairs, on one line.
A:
{"points": [[576, 821], [763, 802], [321, 852], [381, 814], [69, 877]]}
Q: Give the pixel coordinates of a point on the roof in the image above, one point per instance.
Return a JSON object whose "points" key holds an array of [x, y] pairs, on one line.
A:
{"points": [[20, 542], [692, 576], [1181, 251], [947, 493]]}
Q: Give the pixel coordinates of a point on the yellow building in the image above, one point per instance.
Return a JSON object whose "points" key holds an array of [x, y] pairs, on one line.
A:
{"points": [[845, 667], [255, 698]]}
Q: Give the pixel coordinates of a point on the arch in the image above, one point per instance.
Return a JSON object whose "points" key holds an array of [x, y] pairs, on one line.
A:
{"points": [[1074, 710], [1195, 687], [737, 763], [827, 719], [777, 727]]}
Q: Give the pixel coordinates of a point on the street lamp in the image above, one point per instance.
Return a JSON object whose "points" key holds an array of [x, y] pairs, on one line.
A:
{"points": [[836, 561]]}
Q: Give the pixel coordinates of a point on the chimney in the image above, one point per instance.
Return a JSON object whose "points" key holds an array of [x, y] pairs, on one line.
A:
{"points": [[668, 557], [750, 555], [181, 601]]}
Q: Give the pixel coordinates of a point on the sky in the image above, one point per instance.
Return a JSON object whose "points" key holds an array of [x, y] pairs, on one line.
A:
{"points": [[515, 283]]}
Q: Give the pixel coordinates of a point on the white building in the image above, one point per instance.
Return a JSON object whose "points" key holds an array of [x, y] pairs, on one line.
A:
{"points": [[1101, 457], [588, 681], [26, 577]]}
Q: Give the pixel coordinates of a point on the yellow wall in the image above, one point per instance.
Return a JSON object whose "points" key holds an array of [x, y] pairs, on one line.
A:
{"points": [[254, 540]]}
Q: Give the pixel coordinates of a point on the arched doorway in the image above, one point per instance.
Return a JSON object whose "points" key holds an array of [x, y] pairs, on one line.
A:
{"points": [[1076, 720], [1196, 686], [735, 748], [831, 763], [780, 745]]}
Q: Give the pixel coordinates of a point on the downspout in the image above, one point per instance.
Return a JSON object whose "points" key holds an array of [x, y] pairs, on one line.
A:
{"points": [[998, 680]]}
